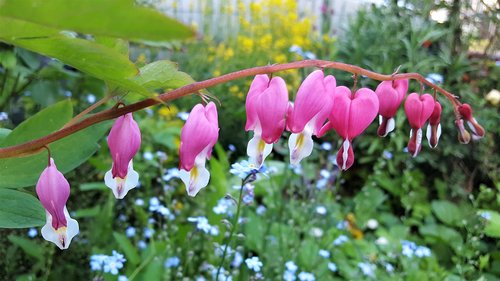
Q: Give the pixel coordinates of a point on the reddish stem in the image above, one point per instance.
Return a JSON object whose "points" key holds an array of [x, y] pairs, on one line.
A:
{"points": [[35, 145]]}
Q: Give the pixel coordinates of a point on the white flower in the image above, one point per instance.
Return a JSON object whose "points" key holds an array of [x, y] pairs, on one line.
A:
{"points": [[291, 266], [254, 264], [306, 276], [382, 241], [321, 210], [316, 232], [372, 224]]}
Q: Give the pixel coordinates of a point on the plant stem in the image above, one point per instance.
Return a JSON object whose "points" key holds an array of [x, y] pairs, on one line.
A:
{"points": [[233, 228], [35, 145]]}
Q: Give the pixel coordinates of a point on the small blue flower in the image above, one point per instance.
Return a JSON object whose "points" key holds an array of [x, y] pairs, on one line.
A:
{"points": [[435, 78], [408, 248], [485, 215], [326, 146], [32, 232], [171, 173], [183, 116], [254, 264], [368, 269], [289, 276], [91, 98], [387, 154], [130, 231], [201, 223], [309, 56], [231, 147], [223, 206], [306, 276], [389, 267], [291, 266], [154, 204], [332, 267], [243, 169], [148, 155], [261, 209], [340, 240], [422, 252], [122, 278], [4, 116], [324, 253], [139, 202], [148, 232], [142, 244], [172, 262], [237, 260]]}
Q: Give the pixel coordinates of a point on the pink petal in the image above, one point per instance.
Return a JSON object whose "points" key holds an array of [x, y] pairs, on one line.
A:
{"points": [[390, 95], [124, 141], [418, 109], [351, 116], [271, 108], [314, 100], [53, 191], [259, 84], [199, 134]]}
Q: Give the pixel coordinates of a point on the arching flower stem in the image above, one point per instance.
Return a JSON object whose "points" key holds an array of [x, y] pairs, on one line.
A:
{"points": [[35, 145]]}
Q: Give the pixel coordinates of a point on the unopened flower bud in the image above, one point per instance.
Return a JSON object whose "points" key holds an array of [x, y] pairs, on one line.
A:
{"points": [[434, 127], [463, 134], [466, 112]]}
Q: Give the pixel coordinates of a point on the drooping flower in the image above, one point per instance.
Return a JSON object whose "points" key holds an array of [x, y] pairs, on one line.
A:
{"points": [[198, 136], [434, 127], [418, 109], [466, 112], [124, 141], [312, 107], [266, 107], [53, 191], [390, 95], [351, 114]]}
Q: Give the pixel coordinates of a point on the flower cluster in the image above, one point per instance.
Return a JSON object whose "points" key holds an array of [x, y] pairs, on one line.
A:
{"points": [[109, 264], [410, 249]]}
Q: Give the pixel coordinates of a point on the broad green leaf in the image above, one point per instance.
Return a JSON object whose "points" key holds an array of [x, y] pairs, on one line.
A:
{"points": [[113, 18], [446, 212], [127, 247], [95, 59], [4, 133], [40, 124], [163, 75], [93, 186], [492, 227], [29, 247], [20, 209]]}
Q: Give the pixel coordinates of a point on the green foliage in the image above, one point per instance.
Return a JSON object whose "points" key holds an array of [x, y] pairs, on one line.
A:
{"points": [[114, 18], [19, 209]]}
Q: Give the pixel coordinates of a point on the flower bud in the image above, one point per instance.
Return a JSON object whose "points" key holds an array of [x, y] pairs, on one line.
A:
{"points": [[466, 112], [463, 135]]}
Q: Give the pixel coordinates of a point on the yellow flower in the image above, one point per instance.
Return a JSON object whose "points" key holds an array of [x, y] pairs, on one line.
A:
{"points": [[493, 97], [281, 58], [216, 73], [234, 89], [168, 112]]}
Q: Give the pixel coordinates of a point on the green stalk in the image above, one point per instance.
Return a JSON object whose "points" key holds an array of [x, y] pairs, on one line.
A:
{"points": [[233, 228]]}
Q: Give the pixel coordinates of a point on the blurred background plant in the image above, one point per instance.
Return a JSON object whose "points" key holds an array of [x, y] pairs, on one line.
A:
{"points": [[390, 217]]}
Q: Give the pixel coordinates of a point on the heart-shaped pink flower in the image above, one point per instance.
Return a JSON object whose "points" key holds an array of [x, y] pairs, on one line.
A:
{"points": [[390, 95], [350, 116], [418, 109]]}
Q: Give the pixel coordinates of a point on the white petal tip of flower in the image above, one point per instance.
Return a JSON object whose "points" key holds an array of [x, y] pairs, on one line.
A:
{"points": [[429, 135], [195, 180], [61, 237], [119, 186], [389, 126], [258, 150], [301, 146]]}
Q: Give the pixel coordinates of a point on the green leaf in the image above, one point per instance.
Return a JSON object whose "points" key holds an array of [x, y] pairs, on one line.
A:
{"points": [[3, 134], [127, 247], [20, 209], [114, 18], [29, 247], [95, 59], [492, 227], [40, 124], [446, 212], [24, 171], [163, 75]]}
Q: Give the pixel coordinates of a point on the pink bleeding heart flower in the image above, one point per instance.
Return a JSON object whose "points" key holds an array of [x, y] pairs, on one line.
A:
{"points": [[198, 137], [418, 109], [434, 127], [477, 130], [390, 95], [313, 105], [266, 108], [53, 191], [350, 116], [124, 141]]}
